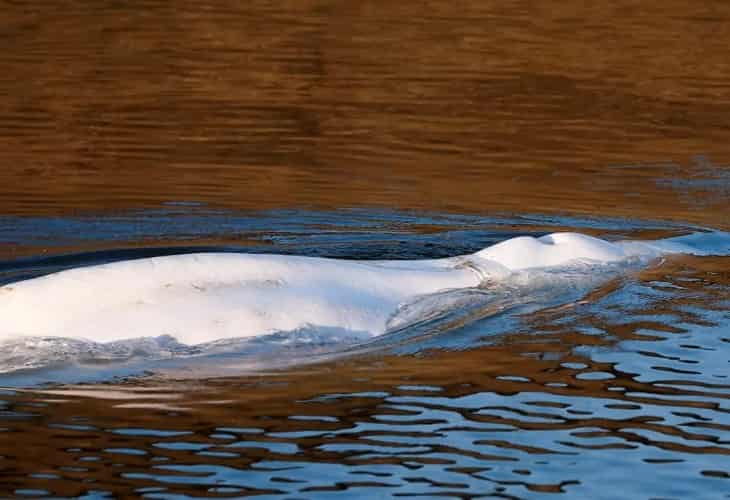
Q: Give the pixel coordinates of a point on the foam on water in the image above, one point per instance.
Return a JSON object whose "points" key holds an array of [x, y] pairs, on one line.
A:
{"points": [[162, 306]]}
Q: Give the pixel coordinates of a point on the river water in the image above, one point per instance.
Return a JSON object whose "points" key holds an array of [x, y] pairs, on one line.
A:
{"points": [[373, 131]]}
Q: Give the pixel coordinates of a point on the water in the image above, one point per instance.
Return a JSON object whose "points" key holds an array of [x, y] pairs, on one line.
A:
{"points": [[358, 131], [462, 106], [569, 392]]}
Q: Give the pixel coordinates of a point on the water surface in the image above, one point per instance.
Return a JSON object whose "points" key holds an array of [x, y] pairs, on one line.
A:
{"points": [[568, 393], [375, 130], [461, 106]]}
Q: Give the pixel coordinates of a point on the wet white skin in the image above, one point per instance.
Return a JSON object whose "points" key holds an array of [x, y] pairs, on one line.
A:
{"points": [[204, 297]]}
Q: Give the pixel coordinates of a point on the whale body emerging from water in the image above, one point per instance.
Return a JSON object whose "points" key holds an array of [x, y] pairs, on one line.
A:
{"points": [[199, 298]]}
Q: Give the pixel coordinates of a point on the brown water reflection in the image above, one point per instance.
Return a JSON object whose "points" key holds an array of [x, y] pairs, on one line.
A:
{"points": [[467, 106]]}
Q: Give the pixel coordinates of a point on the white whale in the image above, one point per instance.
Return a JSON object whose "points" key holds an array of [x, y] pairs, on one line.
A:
{"points": [[198, 298]]}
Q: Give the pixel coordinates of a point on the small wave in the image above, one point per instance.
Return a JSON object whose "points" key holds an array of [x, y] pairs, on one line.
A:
{"points": [[27, 353]]}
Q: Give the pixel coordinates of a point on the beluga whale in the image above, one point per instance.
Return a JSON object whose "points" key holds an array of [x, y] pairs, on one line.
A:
{"points": [[199, 298]]}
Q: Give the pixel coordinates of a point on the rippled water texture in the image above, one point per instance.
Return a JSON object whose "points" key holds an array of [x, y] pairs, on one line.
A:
{"points": [[465, 105], [374, 130], [617, 390], [623, 395]]}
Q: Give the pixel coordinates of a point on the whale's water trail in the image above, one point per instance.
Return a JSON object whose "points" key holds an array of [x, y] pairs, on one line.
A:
{"points": [[199, 299]]}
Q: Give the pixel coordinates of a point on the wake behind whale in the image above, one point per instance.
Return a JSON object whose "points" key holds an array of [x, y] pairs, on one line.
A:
{"points": [[209, 299]]}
